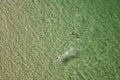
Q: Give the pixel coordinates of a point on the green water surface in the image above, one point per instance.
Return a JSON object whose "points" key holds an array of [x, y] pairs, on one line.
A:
{"points": [[34, 32]]}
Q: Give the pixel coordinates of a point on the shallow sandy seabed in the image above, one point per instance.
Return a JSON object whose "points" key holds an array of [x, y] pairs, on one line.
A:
{"points": [[34, 32]]}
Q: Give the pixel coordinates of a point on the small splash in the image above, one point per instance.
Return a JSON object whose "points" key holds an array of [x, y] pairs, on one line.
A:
{"points": [[69, 54]]}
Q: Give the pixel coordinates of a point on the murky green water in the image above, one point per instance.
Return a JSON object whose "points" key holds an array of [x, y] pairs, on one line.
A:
{"points": [[34, 32]]}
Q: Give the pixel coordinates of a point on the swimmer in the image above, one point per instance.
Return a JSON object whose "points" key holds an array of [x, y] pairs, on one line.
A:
{"points": [[59, 58]]}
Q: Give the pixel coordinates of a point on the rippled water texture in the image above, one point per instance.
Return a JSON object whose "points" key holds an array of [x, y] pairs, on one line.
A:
{"points": [[33, 33]]}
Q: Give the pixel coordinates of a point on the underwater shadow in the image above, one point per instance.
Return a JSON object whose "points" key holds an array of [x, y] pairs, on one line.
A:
{"points": [[70, 58]]}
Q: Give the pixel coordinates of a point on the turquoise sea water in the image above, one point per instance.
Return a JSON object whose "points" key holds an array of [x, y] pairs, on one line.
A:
{"points": [[34, 32]]}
